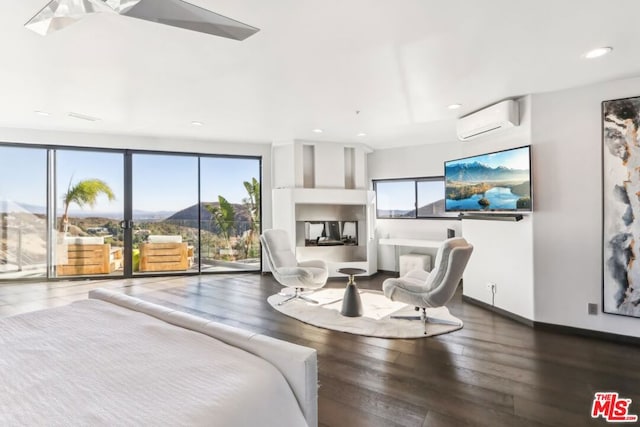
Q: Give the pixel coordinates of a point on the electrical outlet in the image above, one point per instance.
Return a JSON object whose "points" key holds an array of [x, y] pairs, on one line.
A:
{"points": [[592, 309]]}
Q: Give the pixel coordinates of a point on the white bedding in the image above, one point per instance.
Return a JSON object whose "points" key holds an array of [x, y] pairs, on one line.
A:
{"points": [[95, 363]]}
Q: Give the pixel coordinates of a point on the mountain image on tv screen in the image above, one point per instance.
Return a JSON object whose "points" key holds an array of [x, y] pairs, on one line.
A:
{"points": [[499, 181]]}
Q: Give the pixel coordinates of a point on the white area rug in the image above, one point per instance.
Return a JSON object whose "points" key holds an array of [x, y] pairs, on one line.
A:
{"points": [[375, 321]]}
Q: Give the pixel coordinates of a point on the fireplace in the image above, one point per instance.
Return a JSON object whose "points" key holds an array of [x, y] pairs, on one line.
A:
{"points": [[331, 233]]}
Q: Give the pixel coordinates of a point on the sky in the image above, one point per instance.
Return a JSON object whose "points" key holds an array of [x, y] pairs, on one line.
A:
{"points": [[401, 195], [23, 176], [515, 159], [160, 182]]}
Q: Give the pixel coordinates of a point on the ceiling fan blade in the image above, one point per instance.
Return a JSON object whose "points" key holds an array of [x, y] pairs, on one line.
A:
{"points": [[58, 14], [178, 13], [121, 6]]}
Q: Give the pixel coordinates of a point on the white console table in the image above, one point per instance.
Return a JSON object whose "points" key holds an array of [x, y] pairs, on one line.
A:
{"points": [[414, 243]]}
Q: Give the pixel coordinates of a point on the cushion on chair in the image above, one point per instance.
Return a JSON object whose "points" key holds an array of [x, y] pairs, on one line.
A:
{"points": [[301, 273], [310, 274], [280, 249], [90, 240], [438, 287], [164, 239], [405, 289], [443, 266], [318, 275]]}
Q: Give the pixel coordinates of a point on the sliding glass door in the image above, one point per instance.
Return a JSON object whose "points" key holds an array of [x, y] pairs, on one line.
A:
{"points": [[230, 222], [23, 208], [165, 213], [71, 213], [89, 209]]}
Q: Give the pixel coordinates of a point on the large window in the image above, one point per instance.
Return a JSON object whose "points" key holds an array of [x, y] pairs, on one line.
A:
{"points": [[230, 195], [165, 213], [396, 199], [411, 198], [73, 212], [89, 207], [23, 202]]}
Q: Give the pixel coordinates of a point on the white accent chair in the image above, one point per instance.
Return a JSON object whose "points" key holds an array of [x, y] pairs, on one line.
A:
{"points": [[423, 289], [287, 270]]}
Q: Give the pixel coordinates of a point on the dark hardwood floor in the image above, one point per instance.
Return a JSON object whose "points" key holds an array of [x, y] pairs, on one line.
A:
{"points": [[493, 372]]}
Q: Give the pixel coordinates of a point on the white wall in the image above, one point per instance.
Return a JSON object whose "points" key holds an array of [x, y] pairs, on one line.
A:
{"points": [[311, 184], [411, 162], [31, 136], [564, 130], [503, 252], [508, 138], [282, 155], [567, 165], [502, 255], [494, 241], [329, 166]]}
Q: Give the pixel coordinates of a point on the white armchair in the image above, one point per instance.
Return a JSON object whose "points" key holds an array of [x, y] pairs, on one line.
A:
{"points": [[431, 289], [287, 270]]}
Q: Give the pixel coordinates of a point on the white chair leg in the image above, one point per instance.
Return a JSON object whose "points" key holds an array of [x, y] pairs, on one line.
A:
{"points": [[308, 299], [406, 317], [425, 319], [292, 297], [415, 317], [442, 321], [284, 292]]}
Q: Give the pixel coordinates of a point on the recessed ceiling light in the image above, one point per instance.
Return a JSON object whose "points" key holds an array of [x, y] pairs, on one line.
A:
{"points": [[454, 106], [42, 113], [362, 134], [597, 53], [82, 117], [196, 123], [317, 131]]}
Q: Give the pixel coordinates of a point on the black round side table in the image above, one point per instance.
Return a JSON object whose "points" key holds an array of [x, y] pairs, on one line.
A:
{"points": [[351, 303]]}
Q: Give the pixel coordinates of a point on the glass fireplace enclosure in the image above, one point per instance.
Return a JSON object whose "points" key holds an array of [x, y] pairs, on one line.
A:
{"points": [[72, 212]]}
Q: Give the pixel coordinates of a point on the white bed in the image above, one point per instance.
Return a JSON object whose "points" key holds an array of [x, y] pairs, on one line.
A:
{"points": [[116, 360]]}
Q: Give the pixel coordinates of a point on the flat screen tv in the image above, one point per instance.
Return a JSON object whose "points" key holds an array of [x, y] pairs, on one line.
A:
{"points": [[499, 181]]}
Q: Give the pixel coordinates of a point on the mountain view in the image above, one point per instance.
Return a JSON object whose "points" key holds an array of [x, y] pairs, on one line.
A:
{"points": [[90, 191], [242, 217], [479, 172], [477, 186], [431, 209]]}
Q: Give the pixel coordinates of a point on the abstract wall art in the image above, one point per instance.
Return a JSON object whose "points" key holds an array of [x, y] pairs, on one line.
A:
{"points": [[621, 206]]}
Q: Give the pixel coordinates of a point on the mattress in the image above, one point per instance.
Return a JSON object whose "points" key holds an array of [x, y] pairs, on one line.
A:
{"points": [[97, 363]]}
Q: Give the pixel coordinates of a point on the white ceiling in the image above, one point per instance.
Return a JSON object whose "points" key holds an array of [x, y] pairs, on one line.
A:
{"points": [[312, 65]]}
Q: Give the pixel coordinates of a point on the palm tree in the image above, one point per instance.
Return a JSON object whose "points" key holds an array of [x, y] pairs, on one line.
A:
{"points": [[85, 192], [223, 215], [253, 206]]}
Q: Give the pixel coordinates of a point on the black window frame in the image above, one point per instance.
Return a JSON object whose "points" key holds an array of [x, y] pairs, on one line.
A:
{"points": [[416, 181], [127, 153]]}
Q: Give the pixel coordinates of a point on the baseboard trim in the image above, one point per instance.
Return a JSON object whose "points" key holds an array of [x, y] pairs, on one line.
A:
{"points": [[385, 272], [589, 333], [498, 310], [551, 327]]}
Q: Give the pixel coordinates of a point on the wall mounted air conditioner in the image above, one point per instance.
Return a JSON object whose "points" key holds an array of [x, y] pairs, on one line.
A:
{"points": [[492, 119]]}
